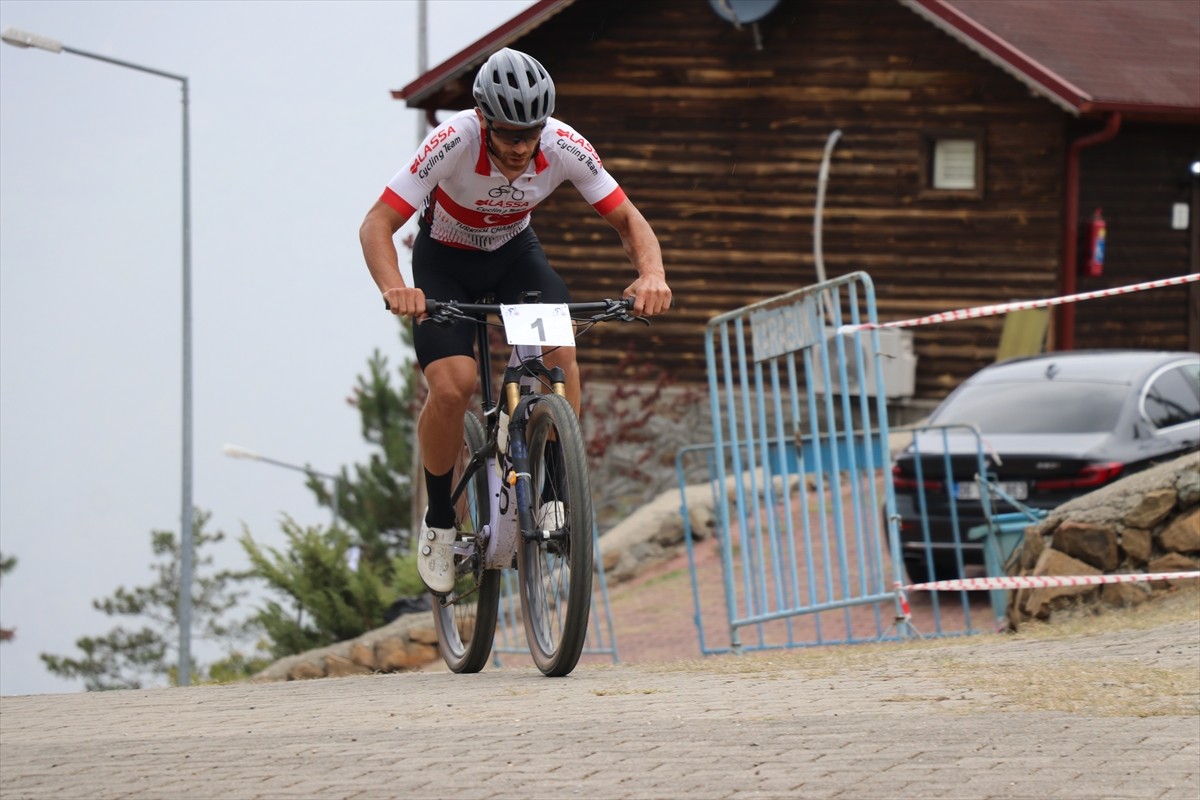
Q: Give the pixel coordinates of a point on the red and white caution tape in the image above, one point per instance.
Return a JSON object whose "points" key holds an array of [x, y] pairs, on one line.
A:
{"points": [[905, 609], [1020, 305], [1046, 581]]}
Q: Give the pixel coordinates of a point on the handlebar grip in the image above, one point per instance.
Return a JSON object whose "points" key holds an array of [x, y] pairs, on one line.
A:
{"points": [[431, 306]]}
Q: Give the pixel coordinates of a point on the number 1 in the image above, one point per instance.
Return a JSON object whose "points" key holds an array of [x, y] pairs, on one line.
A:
{"points": [[541, 328]]}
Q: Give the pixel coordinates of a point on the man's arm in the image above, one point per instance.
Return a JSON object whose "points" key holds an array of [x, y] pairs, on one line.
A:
{"points": [[379, 249], [641, 246]]}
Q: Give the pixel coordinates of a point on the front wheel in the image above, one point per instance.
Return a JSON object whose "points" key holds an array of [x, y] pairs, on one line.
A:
{"points": [[466, 618], [556, 569]]}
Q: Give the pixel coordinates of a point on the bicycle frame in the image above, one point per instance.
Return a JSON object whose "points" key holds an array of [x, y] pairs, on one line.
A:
{"points": [[507, 467], [507, 472]]}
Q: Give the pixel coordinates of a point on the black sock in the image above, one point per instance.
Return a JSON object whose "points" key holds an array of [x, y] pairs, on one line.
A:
{"points": [[552, 485], [440, 513]]}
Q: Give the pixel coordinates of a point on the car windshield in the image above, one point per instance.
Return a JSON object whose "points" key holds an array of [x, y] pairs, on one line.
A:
{"points": [[1044, 407]]}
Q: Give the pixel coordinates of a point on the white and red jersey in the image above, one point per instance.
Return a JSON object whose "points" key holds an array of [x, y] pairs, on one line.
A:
{"points": [[474, 205]]}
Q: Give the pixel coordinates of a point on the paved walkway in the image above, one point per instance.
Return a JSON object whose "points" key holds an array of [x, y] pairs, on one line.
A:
{"points": [[1115, 715]]}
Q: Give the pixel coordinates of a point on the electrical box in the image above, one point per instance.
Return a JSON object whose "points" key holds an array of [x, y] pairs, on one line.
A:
{"points": [[899, 365]]}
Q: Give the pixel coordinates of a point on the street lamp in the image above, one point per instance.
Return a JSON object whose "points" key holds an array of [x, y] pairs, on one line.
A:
{"points": [[24, 39], [235, 451]]}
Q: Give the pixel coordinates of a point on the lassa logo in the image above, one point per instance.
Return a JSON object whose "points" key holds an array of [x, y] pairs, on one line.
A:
{"points": [[575, 138], [431, 144]]}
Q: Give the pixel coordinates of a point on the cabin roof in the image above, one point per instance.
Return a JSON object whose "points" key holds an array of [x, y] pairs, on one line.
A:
{"points": [[1132, 56]]}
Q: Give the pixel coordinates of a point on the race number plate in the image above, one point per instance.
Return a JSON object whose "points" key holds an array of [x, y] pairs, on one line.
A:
{"points": [[545, 324]]}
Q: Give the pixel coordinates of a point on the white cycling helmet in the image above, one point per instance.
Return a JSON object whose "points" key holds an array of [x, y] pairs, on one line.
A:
{"points": [[515, 89]]}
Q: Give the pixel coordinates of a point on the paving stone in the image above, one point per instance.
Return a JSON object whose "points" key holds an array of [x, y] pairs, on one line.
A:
{"points": [[900, 725]]}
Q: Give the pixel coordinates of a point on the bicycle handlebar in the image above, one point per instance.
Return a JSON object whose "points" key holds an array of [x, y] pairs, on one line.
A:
{"points": [[446, 311]]}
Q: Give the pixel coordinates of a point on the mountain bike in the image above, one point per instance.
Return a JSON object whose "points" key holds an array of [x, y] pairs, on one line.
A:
{"points": [[520, 490]]}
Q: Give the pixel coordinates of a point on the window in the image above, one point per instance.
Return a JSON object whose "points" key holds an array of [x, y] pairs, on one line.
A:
{"points": [[1061, 407], [952, 164], [1173, 397]]}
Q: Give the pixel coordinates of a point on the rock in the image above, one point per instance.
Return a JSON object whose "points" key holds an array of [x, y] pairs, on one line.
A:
{"points": [[422, 653], [338, 667], [653, 533], [1031, 549], [1137, 544], [304, 671], [392, 655], [1152, 516], [1173, 562], [644, 537], [1093, 544], [1182, 535], [1152, 509], [363, 655], [1036, 602], [1187, 485], [423, 634], [1123, 595]]}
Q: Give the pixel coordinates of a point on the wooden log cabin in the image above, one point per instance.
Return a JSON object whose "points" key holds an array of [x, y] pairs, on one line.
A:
{"points": [[978, 140]]}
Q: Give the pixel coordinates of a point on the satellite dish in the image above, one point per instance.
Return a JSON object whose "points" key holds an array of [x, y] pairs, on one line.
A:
{"points": [[747, 12], [743, 11]]}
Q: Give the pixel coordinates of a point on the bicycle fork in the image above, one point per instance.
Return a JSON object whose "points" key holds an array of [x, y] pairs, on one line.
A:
{"points": [[518, 396]]}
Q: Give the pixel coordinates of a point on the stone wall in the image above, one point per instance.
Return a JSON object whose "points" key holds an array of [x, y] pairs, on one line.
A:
{"points": [[1148, 522], [405, 644]]}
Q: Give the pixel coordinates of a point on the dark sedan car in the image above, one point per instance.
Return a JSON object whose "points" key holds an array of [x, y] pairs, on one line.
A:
{"points": [[1050, 428]]}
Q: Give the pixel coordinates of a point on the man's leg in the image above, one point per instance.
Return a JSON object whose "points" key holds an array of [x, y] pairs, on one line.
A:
{"points": [[452, 383], [440, 430]]}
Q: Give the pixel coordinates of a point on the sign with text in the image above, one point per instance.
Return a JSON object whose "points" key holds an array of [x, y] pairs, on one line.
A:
{"points": [[777, 331]]}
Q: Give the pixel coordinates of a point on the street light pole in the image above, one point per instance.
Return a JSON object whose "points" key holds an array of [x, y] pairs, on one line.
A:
{"points": [[236, 451], [24, 39]]}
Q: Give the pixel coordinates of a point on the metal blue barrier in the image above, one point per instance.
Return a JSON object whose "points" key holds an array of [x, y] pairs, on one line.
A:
{"points": [[803, 501], [799, 479], [936, 485]]}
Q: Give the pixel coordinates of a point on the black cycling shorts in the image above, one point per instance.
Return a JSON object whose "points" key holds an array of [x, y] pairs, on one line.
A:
{"points": [[452, 273]]}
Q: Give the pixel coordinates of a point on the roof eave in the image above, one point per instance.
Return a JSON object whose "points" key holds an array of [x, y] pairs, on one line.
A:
{"points": [[473, 54], [1144, 111], [1039, 78]]}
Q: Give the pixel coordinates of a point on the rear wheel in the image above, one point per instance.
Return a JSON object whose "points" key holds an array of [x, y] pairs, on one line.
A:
{"points": [[466, 618], [556, 570]]}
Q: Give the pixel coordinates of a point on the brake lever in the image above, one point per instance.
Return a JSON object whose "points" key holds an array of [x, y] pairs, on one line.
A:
{"points": [[619, 309]]}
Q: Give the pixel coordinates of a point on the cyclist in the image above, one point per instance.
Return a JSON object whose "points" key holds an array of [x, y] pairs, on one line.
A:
{"points": [[475, 179]]}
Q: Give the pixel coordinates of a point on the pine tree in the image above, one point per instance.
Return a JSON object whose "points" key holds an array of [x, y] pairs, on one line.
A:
{"points": [[377, 503], [125, 658], [339, 582]]}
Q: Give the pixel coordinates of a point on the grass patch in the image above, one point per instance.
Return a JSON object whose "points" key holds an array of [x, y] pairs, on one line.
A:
{"points": [[1096, 688], [1088, 678]]}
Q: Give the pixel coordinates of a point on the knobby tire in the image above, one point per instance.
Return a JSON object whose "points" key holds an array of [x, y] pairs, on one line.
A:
{"points": [[556, 575]]}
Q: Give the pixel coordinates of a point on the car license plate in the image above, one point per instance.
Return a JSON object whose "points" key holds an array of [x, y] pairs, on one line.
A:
{"points": [[1017, 490]]}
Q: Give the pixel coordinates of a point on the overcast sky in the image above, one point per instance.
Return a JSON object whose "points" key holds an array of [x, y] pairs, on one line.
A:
{"points": [[293, 136]]}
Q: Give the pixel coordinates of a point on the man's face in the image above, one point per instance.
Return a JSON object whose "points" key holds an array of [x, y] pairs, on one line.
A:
{"points": [[512, 147]]}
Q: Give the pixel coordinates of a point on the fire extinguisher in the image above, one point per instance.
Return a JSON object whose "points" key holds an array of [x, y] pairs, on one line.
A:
{"points": [[1097, 233]]}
